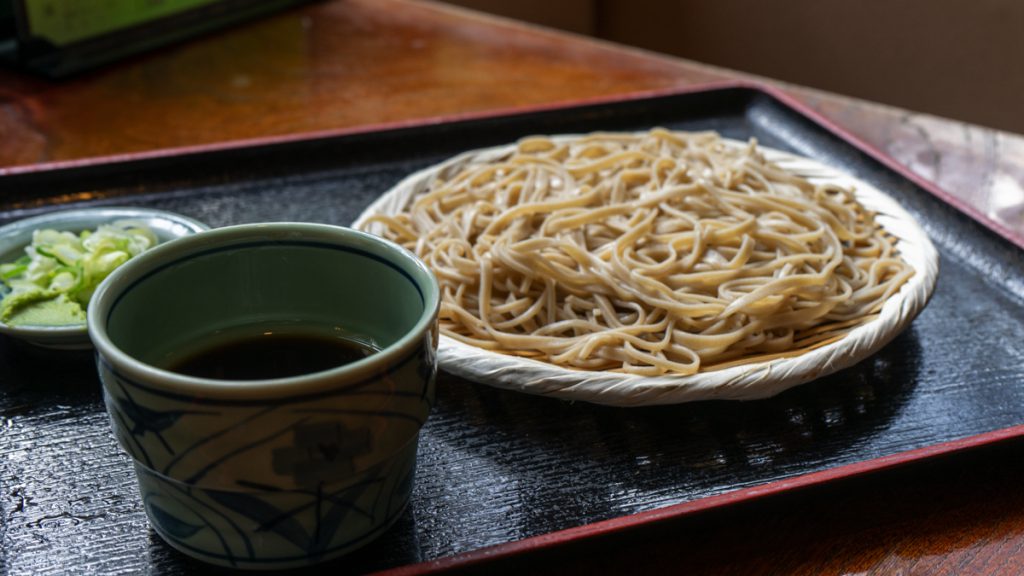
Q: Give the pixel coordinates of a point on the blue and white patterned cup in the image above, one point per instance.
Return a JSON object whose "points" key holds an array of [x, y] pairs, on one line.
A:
{"points": [[274, 473]]}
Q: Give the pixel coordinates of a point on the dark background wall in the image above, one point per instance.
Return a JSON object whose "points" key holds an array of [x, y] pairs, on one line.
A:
{"points": [[962, 59]]}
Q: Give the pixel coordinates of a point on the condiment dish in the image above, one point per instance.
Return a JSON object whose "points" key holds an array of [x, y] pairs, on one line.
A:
{"points": [[14, 237]]}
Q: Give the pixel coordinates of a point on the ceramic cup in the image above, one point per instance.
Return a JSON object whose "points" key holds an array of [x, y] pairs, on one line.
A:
{"points": [[276, 473]]}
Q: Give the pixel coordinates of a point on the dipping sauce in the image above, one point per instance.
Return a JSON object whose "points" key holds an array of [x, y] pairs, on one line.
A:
{"points": [[272, 355]]}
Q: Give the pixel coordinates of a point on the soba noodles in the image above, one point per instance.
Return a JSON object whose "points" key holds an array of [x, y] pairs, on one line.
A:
{"points": [[655, 253]]}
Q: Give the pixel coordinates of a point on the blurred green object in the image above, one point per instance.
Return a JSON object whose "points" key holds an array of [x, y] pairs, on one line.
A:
{"points": [[61, 37]]}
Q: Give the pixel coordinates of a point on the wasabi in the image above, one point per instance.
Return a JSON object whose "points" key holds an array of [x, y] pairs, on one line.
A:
{"points": [[52, 283]]}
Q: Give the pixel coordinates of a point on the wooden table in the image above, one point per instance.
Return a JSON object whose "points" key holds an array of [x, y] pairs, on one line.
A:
{"points": [[352, 63]]}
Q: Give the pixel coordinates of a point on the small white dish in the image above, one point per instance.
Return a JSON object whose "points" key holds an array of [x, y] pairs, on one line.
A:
{"points": [[14, 237]]}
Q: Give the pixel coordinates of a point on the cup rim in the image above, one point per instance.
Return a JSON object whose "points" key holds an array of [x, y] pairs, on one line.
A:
{"points": [[162, 380]]}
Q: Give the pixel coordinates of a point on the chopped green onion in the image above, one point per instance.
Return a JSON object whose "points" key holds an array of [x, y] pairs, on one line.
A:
{"points": [[71, 264]]}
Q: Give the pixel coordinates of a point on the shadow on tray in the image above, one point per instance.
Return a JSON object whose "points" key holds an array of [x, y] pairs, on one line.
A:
{"points": [[593, 462], [34, 373]]}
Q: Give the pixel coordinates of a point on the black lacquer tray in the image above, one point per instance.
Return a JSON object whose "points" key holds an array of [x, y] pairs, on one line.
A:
{"points": [[498, 471]]}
